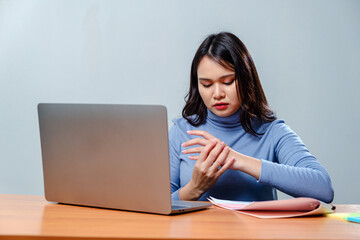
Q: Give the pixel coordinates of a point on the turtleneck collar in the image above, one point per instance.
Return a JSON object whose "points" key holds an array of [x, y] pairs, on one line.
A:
{"points": [[224, 122]]}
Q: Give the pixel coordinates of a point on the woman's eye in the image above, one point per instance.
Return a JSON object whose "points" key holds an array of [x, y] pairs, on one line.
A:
{"points": [[229, 83], [206, 85]]}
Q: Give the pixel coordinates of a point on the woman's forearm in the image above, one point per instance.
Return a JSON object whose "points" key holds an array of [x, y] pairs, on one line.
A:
{"points": [[246, 164]]}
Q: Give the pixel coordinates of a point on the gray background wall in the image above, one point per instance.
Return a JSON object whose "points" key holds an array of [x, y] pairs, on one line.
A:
{"points": [[307, 54]]}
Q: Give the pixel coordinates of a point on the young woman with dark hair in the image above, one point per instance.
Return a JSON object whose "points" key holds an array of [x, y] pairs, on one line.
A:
{"points": [[229, 143]]}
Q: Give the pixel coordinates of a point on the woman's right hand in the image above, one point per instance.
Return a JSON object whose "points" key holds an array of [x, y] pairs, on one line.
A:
{"points": [[207, 170]]}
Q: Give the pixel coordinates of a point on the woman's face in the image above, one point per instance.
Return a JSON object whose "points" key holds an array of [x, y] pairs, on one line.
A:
{"points": [[217, 87]]}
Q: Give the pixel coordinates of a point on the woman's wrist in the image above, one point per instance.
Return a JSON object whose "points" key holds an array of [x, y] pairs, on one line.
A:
{"points": [[247, 164], [189, 192]]}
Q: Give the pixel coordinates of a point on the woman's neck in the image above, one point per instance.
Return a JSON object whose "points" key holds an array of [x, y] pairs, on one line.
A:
{"points": [[229, 121]]}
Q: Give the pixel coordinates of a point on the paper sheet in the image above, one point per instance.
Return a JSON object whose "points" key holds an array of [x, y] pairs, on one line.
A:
{"points": [[295, 207]]}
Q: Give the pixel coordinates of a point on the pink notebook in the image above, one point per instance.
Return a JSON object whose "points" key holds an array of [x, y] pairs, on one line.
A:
{"points": [[295, 207]]}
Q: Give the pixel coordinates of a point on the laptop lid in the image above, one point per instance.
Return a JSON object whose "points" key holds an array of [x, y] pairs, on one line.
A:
{"points": [[109, 156]]}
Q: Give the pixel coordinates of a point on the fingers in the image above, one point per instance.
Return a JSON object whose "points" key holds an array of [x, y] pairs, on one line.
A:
{"points": [[198, 150], [206, 137], [194, 157], [196, 141], [193, 150], [220, 160], [213, 154], [210, 165], [216, 158], [206, 150], [201, 133], [227, 165]]}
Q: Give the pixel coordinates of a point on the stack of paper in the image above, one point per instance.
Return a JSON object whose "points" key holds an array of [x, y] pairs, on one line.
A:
{"points": [[295, 207]]}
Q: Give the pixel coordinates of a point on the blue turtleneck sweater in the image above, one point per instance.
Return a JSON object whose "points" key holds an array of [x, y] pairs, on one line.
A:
{"points": [[286, 164]]}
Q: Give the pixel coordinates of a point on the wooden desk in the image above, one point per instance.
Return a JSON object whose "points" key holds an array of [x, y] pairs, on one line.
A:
{"points": [[32, 217]]}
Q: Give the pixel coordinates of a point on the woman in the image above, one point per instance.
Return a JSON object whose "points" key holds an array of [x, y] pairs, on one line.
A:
{"points": [[229, 144]]}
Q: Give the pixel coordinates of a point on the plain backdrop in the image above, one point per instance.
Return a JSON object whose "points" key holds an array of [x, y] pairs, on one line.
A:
{"points": [[307, 54]]}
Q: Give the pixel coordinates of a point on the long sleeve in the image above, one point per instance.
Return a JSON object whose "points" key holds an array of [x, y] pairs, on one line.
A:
{"points": [[296, 171], [287, 165]]}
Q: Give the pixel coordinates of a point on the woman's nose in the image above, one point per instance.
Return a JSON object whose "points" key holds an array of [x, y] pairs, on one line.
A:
{"points": [[218, 92]]}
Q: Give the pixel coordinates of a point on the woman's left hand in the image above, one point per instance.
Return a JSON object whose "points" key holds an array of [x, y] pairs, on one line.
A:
{"points": [[203, 140], [247, 164]]}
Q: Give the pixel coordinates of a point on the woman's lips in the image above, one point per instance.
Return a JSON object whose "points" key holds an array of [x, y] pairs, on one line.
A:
{"points": [[221, 106]]}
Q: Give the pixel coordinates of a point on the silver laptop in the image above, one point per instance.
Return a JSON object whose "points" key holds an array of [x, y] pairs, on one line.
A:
{"points": [[108, 156]]}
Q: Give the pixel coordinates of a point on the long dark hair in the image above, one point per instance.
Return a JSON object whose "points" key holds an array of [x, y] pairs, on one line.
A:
{"points": [[228, 50]]}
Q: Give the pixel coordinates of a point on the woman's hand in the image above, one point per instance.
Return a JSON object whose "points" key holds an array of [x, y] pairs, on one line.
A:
{"points": [[204, 139], [211, 163], [214, 158]]}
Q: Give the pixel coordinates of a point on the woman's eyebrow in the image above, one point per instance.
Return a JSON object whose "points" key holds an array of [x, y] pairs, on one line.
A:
{"points": [[222, 77]]}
